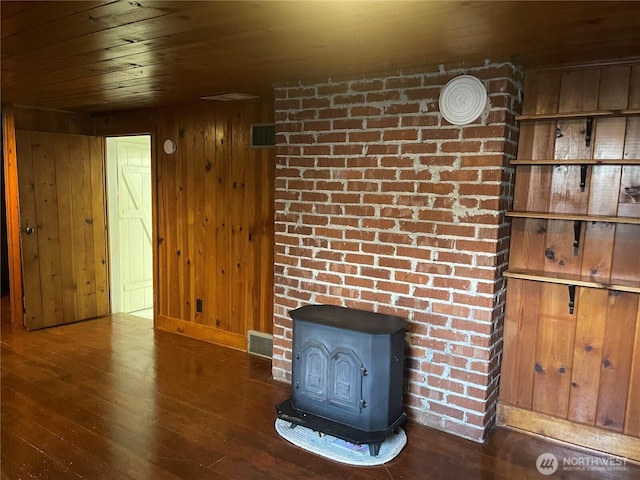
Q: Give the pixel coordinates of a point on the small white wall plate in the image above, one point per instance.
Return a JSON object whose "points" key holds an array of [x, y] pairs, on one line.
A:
{"points": [[169, 146], [462, 100]]}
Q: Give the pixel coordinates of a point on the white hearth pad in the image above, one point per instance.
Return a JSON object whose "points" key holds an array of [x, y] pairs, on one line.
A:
{"points": [[337, 449]]}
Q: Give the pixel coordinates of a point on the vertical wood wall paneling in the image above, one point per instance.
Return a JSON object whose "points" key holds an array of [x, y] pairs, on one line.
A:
{"points": [[528, 239], [597, 245], [554, 352], [587, 365], [222, 241], [630, 206], [579, 92], [39, 120], [587, 355], [247, 220], [630, 199], [186, 220], [617, 350], [263, 229], [189, 224], [210, 267], [202, 165], [174, 222], [519, 354], [215, 223], [537, 141], [626, 261], [161, 306], [608, 140], [632, 415], [205, 226], [239, 248], [11, 192]]}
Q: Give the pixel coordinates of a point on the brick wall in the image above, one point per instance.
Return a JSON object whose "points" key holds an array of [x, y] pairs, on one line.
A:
{"points": [[383, 205]]}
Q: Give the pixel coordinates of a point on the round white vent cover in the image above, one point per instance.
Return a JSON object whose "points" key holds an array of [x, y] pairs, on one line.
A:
{"points": [[463, 99], [169, 146]]}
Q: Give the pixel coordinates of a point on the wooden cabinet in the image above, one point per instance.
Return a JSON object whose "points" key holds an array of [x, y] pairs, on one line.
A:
{"points": [[571, 360]]}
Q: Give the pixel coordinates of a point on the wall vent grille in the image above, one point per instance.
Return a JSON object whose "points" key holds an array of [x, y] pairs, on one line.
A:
{"points": [[260, 344], [263, 135]]}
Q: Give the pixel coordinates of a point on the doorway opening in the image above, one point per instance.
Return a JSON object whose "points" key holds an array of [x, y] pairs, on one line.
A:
{"points": [[129, 204]]}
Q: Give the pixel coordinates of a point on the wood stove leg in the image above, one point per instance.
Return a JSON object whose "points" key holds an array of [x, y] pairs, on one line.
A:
{"points": [[374, 449]]}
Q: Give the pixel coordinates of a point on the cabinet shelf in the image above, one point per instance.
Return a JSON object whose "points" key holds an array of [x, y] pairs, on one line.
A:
{"points": [[577, 161], [574, 216], [577, 280], [627, 112]]}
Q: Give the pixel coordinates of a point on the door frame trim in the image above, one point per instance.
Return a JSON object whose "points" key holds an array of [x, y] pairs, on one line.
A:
{"points": [[12, 204], [110, 240]]}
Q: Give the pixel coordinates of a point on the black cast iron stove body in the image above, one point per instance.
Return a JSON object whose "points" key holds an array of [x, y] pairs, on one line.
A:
{"points": [[347, 374]]}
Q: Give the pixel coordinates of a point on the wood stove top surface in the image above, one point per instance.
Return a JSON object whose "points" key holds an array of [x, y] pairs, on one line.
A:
{"points": [[349, 319]]}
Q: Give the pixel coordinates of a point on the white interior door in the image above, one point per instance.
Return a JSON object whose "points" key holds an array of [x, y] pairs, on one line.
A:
{"points": [[130, 223]]}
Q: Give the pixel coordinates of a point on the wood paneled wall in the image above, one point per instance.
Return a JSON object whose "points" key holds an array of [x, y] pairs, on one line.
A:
{"points": [[53, 121], [213, 218], [583, 366]]}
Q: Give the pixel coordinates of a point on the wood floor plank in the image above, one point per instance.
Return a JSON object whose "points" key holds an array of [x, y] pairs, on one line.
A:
{"points": [[61, 452], [111, 398]]}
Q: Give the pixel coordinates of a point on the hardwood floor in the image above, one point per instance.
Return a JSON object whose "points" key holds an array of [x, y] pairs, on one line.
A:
{"points": [[113, 399]]}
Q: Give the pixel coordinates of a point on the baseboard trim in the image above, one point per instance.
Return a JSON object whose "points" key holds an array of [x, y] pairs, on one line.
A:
{"points": [[201, 332], [584, 436]]}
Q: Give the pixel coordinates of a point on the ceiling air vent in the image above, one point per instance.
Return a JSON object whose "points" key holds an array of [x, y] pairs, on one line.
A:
{"points": [[229, 97], [263, 135]]}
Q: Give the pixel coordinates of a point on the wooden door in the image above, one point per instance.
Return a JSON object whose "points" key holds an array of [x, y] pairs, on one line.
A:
{"points": [[134, 252], [63, 230]]}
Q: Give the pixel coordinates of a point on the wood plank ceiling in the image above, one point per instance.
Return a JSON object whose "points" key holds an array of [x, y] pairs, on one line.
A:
{"points": [[114, 55]]}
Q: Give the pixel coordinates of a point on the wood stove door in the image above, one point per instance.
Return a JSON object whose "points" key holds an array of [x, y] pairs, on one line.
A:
{"points": [[310, 377], [345, 380], [328, 379]]}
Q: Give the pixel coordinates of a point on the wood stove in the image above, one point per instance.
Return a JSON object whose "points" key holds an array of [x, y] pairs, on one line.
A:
{"points": [[347, 374]]}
